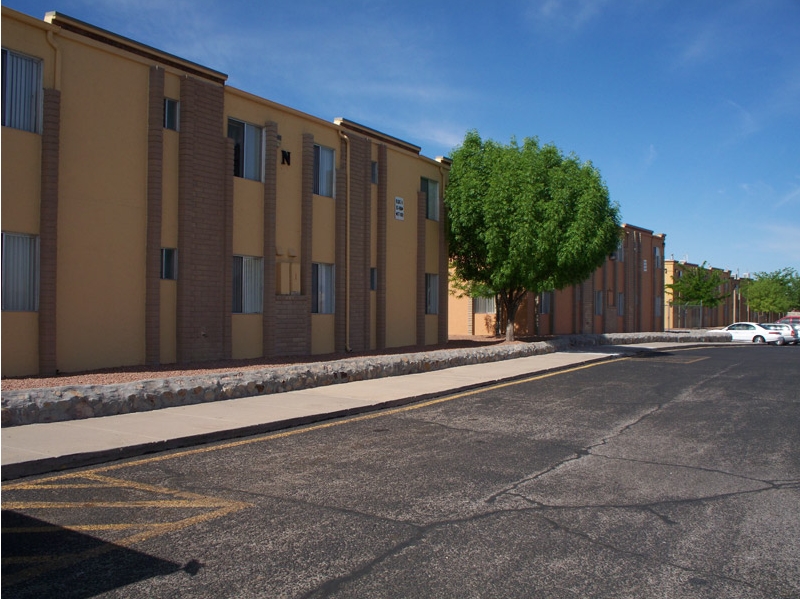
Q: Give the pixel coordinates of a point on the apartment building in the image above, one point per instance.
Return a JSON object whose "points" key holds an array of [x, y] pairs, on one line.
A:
{"points": [[153, 214], [626, 294], [732, 308]]}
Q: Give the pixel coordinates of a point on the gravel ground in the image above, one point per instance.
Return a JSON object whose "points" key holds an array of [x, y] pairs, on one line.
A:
{"points": [[140, 373]]}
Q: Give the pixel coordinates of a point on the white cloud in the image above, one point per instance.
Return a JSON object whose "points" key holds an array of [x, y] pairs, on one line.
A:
{"points": [[569, 14]]}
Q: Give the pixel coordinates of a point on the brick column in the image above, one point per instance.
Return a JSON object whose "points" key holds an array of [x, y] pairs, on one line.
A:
{"points": [[340, 251], [270, 212], [48, 231], [205, 225], [422, 199], [155, 168], [380, 294], [444, 272]]}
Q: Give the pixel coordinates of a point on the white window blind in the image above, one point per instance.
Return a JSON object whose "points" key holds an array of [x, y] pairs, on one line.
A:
{"points": [[22, 91], [20, 272]]}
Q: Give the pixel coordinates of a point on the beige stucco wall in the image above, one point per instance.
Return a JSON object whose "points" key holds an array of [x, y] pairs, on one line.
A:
{"points": [[21, 190], [102, 190]]}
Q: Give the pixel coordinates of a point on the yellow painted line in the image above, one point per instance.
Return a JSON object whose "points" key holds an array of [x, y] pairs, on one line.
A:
{"points": [[307, 429], [81, 528]]}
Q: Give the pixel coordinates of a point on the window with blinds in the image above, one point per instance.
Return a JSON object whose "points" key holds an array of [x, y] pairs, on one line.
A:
{"points": [[20, 272], [22, 91], [248, 285]]}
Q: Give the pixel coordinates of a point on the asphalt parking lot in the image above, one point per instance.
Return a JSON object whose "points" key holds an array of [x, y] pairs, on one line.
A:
{"points": [[673, 474]]}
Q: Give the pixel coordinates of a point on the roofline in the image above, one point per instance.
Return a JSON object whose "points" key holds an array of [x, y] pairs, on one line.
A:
{"points": [[363, 130], [103, 36]]}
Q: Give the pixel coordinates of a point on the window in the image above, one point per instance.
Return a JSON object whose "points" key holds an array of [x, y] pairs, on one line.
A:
{"points": [[657, 257], [22, 91], [644, 265], [323, 288], [546, 302], [598, 302], [324, 160], [431, 188], [171, 114], [248, 285], [169, 264], [659, 302], [374, 174], [620, 253], [431, 294], [20, 272], [373, 279], [483, 305], [247, 149], [620, 304]]}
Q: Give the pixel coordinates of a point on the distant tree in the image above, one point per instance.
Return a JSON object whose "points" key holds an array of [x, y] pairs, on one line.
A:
{"points": [[697, 286], [777, 291], [525, 218]]}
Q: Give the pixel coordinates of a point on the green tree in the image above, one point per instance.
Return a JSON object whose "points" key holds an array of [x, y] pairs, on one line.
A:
{"points": [[777, 291], [525, 218], [697, 285]]}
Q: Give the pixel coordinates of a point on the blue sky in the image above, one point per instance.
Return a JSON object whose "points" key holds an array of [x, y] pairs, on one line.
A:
{"points": [[689, 109]]}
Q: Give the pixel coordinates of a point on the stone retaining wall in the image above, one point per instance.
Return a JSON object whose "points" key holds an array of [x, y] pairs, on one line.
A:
{"points": [[74, 402]]}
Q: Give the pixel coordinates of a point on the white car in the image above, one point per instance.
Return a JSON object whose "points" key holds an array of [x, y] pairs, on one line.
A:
{"points": [[752, 332], [787, 332]]}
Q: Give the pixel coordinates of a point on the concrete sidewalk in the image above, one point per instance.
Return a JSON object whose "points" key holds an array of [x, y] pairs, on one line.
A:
{"points": [[40, 448]]}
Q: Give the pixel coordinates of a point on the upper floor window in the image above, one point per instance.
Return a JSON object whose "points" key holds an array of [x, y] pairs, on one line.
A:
{"points": [[247, 149], [20, 272], [657, 257], [22, 91], [324, 161], [171, 114], [374, 172], [431, 189]]}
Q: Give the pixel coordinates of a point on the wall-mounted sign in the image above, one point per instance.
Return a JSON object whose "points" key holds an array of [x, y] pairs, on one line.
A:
{"points": [[399, 209]]}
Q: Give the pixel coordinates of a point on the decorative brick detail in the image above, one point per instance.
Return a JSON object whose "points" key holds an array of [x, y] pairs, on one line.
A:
{"points": [[48, 231], [292, 325], [444, 273], [205, 225], [359, 217], [380, 298], [270, 213], [340, 250], [155, 169], [422, 200]]}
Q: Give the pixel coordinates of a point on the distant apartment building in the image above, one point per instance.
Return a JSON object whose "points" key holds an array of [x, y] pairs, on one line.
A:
{"points": [[733, 307], [626, 294], [153, 214]]}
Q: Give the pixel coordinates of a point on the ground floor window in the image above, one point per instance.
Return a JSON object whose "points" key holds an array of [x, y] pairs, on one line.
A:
{"points": [[483, 305], [248, 285], [323, 288], [20, 272], [431, 294]]}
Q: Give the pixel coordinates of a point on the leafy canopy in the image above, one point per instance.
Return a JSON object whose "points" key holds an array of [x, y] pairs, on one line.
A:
{"points": [[777, 291], [525, 218], [697, 285]]}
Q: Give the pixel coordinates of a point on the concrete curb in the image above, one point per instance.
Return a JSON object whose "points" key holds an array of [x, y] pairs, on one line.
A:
{"points": [[60, 404]]}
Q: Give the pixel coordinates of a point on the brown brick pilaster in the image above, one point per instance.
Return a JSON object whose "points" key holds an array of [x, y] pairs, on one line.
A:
{"points": [[340, 250], [270, 211], [205, 225], [380, 298], [422, 199], [155, 168], [48, 231]]}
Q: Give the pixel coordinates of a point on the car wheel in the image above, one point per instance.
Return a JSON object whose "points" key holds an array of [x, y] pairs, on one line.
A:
{"points": [[758, 339], [780, 342]]}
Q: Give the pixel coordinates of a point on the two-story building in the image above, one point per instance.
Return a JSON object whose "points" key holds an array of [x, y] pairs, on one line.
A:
{"points": [[151, 214], [624, 295]]}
